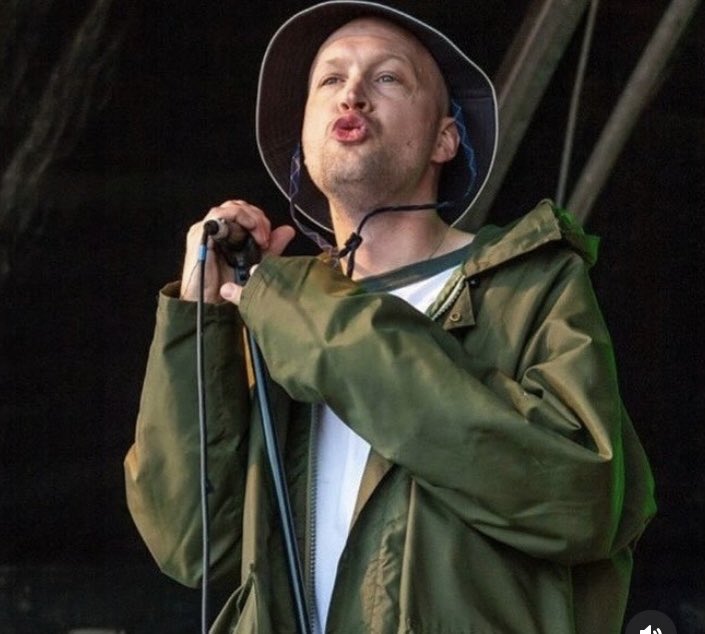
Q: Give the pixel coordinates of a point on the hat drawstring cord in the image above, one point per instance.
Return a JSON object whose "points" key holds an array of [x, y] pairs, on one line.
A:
{"points": [[465, 143], [294, 180], [355, 239]]}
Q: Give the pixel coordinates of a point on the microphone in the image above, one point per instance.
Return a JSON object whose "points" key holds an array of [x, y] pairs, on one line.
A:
{"points": [[235, 244], [228, 235]]}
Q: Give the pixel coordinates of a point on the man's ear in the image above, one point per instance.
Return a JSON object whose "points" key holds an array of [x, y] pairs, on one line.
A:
{"points": [[447, 142]]}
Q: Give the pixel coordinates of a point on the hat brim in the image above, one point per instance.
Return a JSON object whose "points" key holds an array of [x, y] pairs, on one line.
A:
{"points": [[282, 93]]}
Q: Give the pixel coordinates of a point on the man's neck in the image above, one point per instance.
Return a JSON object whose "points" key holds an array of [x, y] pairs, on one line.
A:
{"points": [[394, 239]]}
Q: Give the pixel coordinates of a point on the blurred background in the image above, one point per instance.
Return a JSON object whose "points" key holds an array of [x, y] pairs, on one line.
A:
{"points": [[122, 123]]}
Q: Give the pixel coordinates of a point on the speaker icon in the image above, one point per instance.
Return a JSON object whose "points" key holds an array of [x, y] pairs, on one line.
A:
{"points": [[650, 622]]}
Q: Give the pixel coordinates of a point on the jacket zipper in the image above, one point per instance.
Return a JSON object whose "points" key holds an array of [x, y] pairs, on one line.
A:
{"points": [[311, 521]]}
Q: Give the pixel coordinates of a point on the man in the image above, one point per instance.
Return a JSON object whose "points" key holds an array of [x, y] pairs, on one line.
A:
{"points": [[457, 454]]}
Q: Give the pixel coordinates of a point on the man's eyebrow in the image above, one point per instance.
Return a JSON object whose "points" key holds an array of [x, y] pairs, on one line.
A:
{"points": [[337, 61], [379, 59]]}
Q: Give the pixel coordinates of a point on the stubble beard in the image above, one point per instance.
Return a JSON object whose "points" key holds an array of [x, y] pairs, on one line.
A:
{"points": [[358, 178]]}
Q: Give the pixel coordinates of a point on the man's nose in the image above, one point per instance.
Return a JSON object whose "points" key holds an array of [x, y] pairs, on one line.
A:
{"points": [[355, 96]]}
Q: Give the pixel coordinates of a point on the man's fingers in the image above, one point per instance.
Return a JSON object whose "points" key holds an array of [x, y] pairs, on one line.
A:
{"points": [[280, 238], [231, 292], [247, 216]]}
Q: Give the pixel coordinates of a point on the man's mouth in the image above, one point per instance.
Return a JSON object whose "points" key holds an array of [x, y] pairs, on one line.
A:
{"points": [[350, 128]]}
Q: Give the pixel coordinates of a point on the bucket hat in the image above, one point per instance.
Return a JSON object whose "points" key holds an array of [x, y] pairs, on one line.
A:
{"points": [[282, 93]]}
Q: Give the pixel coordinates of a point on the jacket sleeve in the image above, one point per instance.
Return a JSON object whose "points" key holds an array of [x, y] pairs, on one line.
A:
{"points": [[532, 457], [162, 468]]}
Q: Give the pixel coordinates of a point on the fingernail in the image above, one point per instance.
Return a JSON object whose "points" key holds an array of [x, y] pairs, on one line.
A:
{"points": [[226, 291]]}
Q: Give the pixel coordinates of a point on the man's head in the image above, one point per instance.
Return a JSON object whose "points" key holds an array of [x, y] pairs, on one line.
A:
{"points": [[376, 129], [297, 52]]}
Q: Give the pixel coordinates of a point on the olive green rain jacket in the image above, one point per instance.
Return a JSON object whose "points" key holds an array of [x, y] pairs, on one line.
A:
{"points": [[506, 487]]}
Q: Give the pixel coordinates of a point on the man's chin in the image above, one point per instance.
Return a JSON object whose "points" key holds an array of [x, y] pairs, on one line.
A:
{"points": [[359, 192]]}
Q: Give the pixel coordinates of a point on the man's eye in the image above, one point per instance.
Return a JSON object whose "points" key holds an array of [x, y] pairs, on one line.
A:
{"points": [[387, 78], [329, 81]]}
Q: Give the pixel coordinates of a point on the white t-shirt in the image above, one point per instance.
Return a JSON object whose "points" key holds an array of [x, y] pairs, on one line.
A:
{"points": [[341, 456]]}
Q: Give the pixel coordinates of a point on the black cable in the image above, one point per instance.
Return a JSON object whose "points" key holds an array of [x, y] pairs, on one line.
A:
{"points": [[203, 432], [355, 239]]}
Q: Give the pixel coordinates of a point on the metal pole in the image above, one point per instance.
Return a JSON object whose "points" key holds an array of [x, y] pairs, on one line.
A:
{"points": [[521, 81], [641, 86], [575, 104], [282, 497], [242, 258]]}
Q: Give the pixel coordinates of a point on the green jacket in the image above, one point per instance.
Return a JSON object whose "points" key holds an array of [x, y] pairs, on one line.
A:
{"points": [[506, 487]]}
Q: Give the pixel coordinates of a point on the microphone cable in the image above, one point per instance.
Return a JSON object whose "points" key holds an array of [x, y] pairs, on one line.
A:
{"points": [[205, 485]]}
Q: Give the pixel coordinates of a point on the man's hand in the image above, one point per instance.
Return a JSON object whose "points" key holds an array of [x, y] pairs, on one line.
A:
{"points": [[218, 272]]}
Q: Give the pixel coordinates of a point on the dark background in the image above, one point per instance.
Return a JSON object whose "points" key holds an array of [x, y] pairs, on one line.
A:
{"points": [[169, 133]]}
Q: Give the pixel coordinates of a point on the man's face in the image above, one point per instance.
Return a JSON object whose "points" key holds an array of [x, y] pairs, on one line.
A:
{"points": [[375, 108]]}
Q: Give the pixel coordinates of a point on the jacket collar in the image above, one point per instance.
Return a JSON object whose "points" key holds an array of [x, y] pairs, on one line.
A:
{"points": [[494, 246], [544, 224]]}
